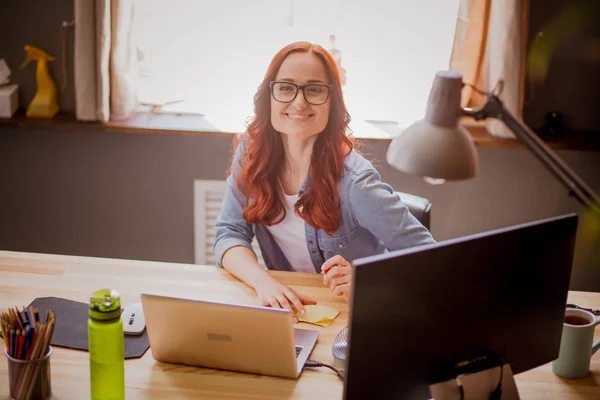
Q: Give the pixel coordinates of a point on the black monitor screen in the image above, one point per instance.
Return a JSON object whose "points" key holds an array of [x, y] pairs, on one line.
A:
{"points": [[417, 312]]}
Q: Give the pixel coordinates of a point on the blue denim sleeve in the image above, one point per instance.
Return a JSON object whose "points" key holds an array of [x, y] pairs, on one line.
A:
{"points": [[378, 209], [231, 228]]}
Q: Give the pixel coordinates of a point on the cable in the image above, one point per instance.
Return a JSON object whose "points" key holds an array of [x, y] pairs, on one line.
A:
{"points": [[477, 90], [317, 364], [496, 91], [497, 393]]}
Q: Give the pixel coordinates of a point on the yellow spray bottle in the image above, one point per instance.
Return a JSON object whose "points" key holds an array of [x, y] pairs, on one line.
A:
{"points": [[44, 103]]}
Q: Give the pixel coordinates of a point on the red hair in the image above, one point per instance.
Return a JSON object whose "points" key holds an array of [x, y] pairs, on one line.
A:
{"points": [[319, 204]]}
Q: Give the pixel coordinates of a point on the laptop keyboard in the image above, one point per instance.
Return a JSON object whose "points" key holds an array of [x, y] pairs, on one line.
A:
{"points": [[298, 350]]}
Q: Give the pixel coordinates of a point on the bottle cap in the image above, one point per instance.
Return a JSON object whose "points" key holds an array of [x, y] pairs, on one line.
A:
{"points": [[105, 304]]}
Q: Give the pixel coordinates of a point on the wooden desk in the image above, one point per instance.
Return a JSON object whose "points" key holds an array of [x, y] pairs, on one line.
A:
{"points": [[25, 276]]}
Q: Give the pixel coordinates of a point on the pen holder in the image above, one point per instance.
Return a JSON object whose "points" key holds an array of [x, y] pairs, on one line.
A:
{"points": [[29, 379]]}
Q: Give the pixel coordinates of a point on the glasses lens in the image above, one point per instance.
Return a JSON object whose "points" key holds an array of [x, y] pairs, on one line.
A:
{"points": [[316, 94], [284, 92]]}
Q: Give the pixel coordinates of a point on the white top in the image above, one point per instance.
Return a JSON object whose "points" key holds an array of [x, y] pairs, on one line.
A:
{"points": [[291, 238]]}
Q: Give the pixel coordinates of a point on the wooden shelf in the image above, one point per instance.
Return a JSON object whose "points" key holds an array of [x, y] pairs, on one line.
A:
{"points": [[188, 124], [141, 123]]}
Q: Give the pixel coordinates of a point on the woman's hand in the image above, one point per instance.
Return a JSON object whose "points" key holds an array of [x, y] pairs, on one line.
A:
{"points": [[273, 293], [338, 276]]}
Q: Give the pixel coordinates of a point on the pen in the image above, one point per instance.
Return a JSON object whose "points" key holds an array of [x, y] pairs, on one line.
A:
{"points": [[25, 315], [28, 338], [20, 340], [11, 349]]}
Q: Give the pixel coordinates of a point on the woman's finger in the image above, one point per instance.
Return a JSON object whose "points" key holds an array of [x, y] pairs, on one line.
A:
{"points": [[295, 300], [337, 271], [346, 296], [342, 289], [284, 302], [330, 273], [306, 300], [274, 303], [339, 280], [339, 260]]}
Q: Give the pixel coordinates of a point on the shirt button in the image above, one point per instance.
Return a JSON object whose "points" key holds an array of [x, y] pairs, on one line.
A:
{"points": [[340, 246], [310, 242], [314, 251]]}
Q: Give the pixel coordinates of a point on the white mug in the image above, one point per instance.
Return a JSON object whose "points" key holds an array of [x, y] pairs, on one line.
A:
{"points": [[576, 344]]}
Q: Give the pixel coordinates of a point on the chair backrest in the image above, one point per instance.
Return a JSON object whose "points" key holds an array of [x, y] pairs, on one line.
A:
{"points": [[420, 207], [208, 197]]}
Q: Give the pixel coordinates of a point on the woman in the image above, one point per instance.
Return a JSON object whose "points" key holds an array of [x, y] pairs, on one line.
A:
{"points": [[297, 183]]}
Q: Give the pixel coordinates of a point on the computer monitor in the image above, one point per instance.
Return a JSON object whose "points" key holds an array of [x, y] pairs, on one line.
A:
{"points": [[415, 313]]}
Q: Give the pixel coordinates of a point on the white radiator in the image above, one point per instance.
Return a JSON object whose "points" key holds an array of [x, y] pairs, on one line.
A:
{"points": [[208, 197]]}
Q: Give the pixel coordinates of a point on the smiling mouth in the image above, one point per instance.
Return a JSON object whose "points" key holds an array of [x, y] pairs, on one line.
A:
{"points": [[297, 117]]}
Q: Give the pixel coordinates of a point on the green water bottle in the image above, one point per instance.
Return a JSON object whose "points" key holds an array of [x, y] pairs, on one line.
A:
{"points": [[106, 346]]}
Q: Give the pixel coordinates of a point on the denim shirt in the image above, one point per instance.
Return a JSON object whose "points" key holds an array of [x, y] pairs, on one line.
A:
{"points": [[374, 220]]}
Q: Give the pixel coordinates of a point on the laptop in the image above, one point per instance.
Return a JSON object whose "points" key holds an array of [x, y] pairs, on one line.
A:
{"points": [[417, 313], [252, 339]]}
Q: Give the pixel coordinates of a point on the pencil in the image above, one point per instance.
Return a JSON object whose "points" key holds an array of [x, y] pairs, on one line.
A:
{"points": [[51, 320], [17, 318], [39, 347], [4, 328], [30, 314]]}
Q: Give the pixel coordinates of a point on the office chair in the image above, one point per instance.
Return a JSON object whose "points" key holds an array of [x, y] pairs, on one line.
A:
{"points": [[420, 207]]}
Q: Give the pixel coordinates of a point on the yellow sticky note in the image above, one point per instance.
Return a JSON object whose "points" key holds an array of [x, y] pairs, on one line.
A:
{"points": [[318, 315]]}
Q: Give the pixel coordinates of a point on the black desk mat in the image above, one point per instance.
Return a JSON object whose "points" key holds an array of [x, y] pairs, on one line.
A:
{"points": [[71, 329]]}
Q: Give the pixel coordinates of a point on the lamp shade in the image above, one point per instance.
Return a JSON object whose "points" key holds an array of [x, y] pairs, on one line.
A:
{"points": [[437, 146]]}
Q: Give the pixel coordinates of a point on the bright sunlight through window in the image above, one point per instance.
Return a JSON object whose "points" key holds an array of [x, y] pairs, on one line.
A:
{"points": [[209, 57]]}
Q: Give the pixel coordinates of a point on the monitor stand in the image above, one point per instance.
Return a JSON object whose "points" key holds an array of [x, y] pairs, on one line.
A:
{"points": [[477, 386]]}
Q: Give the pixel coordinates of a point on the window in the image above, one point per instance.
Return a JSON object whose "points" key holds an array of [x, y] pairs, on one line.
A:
{"points": [[210, 56]]}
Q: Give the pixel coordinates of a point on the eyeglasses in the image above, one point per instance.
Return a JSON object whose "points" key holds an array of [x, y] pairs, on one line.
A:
{"points": [[285, 92]]}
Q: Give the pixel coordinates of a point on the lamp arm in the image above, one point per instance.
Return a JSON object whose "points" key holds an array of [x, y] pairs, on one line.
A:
{"points": [[574, 184]]}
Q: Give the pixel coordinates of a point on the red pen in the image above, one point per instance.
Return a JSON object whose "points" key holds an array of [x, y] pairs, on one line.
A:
{"points": [[20, 346], [324, 271]]}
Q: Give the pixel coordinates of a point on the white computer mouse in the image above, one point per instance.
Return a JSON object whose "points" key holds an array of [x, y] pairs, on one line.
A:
{"points": [[133, 319]]}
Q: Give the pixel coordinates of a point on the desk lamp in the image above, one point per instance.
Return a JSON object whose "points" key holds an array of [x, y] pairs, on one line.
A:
{"points": [[439, 149]]}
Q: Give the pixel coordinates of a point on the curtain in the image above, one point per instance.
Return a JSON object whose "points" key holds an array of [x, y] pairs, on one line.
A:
{"points": [[490, 45], [105, 60]]}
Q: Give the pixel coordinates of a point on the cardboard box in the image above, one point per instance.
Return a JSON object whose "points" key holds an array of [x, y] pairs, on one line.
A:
{"points": [[9, 100]]}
